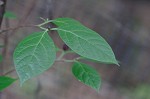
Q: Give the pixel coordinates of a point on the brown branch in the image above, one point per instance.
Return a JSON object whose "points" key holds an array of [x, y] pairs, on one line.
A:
{"points": [[15, 28], [13, 70], [5, 48], [2, 10]]}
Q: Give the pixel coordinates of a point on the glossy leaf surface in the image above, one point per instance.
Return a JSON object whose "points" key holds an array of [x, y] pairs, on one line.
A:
{"points": [[87, 75], [84, 41], [5, 82]]}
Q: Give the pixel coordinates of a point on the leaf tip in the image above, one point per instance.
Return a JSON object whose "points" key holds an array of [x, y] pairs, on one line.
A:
{"points": [[21, 83], [117, 63], [97, 89]]}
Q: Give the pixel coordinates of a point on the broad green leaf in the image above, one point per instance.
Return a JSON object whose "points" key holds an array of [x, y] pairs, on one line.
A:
{"points": [[84, 41], [35, 54], [5, 82], [1, 58], [10, 15], [87, 75], [65, 22], [87, 59]]}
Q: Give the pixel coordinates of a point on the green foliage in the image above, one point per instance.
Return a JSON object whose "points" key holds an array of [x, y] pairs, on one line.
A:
{"points": [[84, 41], [5, 82], [87, 75], [37, 52], [1, 58], [141, 92], [10, 15], [34, 55], [1, 46], [65, 22]]}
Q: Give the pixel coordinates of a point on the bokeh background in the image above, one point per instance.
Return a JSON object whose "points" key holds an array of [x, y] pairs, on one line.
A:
{"points": [[125, 24]]}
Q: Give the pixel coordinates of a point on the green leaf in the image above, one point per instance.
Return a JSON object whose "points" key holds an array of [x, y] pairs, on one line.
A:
{"points": [[1, 58], [1, 46], [84, 41], [65, 22], [10, 15], [5, 82], [87, 75], [35, 54]]}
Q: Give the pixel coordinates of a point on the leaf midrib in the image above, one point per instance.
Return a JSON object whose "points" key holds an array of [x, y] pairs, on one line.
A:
{"points": [[87, 73], [33, 55]]}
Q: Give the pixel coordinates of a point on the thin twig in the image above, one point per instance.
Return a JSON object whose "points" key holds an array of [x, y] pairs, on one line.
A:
{"points": [[13, 70], [14, 28], [69, 51], [61, 55], [46, 22], [64, 60], [69, 61]]}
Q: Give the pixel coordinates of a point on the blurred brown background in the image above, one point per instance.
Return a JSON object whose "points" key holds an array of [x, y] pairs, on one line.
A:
{"points": [[125, 24]]}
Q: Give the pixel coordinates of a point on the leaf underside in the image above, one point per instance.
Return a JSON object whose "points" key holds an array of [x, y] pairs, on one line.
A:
{"points": [[86, 75], [35, 54], [84, 41]]}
